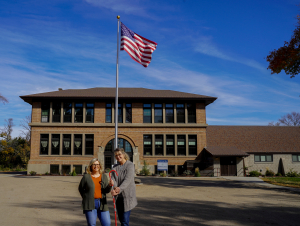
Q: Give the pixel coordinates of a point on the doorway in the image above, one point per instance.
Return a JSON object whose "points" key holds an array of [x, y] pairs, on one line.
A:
{"points": [[228, 166]]}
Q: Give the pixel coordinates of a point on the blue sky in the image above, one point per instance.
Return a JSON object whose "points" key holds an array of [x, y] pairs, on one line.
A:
{"points": [[215, 48]]}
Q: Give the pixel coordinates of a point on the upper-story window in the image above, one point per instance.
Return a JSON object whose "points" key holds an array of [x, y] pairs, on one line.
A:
{"points": [[180, 113], [147, 115], [56, 110], [89, 112], [67, 112], [191, 109], [108, 113], [45, 112], [44, 144], [158, 113], [169, 113], [89, 144], [55, 141], [128, 113], [192, 144], [78, 112], [66, 144], [120, 113]]}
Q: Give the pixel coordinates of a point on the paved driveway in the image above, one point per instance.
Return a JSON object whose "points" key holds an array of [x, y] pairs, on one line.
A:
{"points": [[54, 200]]}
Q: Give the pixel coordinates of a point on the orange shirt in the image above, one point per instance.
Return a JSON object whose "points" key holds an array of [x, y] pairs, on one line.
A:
{"points": [[97, 182]]}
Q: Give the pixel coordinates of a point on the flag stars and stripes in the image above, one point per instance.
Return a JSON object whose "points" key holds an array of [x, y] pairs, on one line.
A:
{"points": [[139, 48]]}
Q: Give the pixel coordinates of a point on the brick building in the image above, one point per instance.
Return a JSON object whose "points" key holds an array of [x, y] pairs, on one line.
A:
{"points": [[70, 127]]}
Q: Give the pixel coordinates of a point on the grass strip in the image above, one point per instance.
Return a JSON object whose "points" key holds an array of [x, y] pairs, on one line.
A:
{"points": [[293, 182]]}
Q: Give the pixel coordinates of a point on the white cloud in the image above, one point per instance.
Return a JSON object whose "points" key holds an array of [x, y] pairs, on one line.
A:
{"points": [[206, 46]]}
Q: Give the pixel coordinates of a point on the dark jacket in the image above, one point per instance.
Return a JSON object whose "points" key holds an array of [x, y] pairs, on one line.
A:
{"points": [[125, 181], [86, 189]]}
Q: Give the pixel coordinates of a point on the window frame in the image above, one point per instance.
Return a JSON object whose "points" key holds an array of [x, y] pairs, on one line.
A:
{"points": [[56, 106], [167, 117], [149, 147], [45, 106], [44, 139], [92, 115], [86, 141], [191, 108], [159, 148], [128, 113], [168, 139], [190, 139], [63, 144], [74, 146], [149, 109], [108, 106], [183, 108], [158, 108], [53, 148], [297, 156], [65, 110], [260, 158], [179, 146]]}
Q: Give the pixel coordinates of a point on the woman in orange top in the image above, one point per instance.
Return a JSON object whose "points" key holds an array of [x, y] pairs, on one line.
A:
{"points": [[93, 188]]}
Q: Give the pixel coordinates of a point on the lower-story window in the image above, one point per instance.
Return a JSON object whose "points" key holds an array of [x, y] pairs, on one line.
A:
{"points": [[263, 158], [55, 144], [147, 144], [65, 169], [54, 169], [77, 144], [181, 148], [78, 169], [296, 158], [44, 144]]}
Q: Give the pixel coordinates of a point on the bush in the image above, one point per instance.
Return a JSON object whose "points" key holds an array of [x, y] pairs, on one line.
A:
{"points": [[187, 172], [163, 174], [73, 173], [197, 172], [174, 173], [292, 173], [145, 170], [47, 173], [254, 174], [278, 174], [32, 173], [270, 173]]}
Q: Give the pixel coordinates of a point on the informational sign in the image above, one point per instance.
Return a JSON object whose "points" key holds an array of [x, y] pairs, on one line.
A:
{"points": [[162, 165]]}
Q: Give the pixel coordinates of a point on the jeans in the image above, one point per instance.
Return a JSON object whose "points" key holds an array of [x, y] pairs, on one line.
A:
{"points": [[91, 215], [123, 216]]}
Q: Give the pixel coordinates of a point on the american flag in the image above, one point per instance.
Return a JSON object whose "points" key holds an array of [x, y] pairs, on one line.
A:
{"points": [[139, 48]]}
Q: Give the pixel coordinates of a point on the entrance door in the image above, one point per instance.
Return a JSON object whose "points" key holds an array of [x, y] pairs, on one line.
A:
{"points": [[109, 151], [228, 166]]}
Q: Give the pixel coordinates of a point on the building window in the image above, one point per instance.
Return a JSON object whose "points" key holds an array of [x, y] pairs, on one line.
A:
{"points": [[78, 169], [169, 113], [296, 158], [170, 145], [55, 144], [77, 144], [44, 144], [89, 113], [158, 113], [78, 112], [181, 148], [66, 144], [128, 113], [89, 144], [65, 169], [54, 169], [120, 113], [191, 109], [56, 109], [45, 112], [180, 113], [192, 144], [147, 115], [159, 146], [263, 158], [147, 144], [67, 112], [108, 114]]}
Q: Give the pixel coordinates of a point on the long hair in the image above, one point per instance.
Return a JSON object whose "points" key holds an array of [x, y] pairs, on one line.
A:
{"points": [[123, 152], [89, 169]]}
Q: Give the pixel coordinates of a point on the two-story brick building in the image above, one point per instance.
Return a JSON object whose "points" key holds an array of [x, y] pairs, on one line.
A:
{"points": [[70, 127]]}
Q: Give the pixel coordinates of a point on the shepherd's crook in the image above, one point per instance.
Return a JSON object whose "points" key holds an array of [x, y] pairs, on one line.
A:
{"points": [[114, 197]]}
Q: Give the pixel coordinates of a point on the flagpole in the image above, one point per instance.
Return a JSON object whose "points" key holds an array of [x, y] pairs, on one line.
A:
{"points": [[117, 87]]}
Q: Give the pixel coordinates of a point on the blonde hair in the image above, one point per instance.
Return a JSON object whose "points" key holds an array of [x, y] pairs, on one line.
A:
{"points": [[89, 169], [123, 152]]}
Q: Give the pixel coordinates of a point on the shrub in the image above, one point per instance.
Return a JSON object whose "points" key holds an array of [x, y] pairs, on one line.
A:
{"points": [[270, 173], [187, 172], [73, 173], [292, 173], [254, 174], [107, 170], [47, 173], [197, 172], [163, 174], [32, 173], [145, 170], [278, 174], [174, 173]]}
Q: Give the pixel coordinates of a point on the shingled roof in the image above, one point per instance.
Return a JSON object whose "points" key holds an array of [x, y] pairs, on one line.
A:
{"points": [[254, 139], [109, 93], [225, 151]]}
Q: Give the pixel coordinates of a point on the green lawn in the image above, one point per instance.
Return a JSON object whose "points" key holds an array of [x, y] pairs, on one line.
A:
{"points": [[293, 182]]}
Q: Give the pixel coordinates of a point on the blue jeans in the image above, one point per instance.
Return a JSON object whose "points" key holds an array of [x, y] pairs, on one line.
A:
{"points": [[123, 216], [91, 215]]}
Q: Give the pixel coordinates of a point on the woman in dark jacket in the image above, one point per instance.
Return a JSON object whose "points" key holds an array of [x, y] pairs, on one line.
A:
{"points": [[93, 188]]}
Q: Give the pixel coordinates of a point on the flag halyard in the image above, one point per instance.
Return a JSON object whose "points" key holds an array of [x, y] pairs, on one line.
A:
{"points": [[139, 48]]}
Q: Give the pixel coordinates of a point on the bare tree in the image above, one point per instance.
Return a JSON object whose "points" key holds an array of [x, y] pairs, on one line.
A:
{"points": [[292, 119], [3, 99], [26, 127], [8, 128]]}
